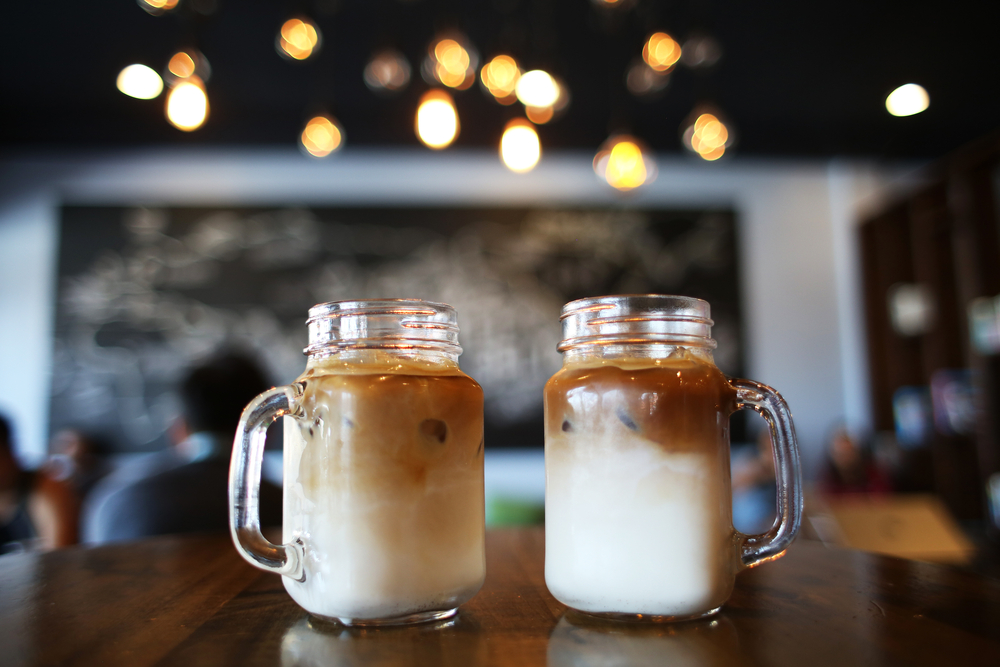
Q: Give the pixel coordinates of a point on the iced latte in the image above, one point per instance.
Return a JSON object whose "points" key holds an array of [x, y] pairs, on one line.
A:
{"points": [[384, 486], [638, 503], [383, 468]]}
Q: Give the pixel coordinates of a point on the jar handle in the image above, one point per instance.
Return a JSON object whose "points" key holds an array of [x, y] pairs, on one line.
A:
{"points": [[244, 484], [756, 549]]}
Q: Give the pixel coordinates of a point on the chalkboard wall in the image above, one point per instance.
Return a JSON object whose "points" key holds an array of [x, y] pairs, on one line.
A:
{"points": [[144, 293]]}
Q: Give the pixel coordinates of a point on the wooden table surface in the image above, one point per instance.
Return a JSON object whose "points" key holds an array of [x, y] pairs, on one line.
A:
{"points": [[193, 601]]}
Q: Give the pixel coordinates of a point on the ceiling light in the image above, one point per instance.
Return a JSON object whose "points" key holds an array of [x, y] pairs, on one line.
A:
{"points": [[624, 163], [187, 63], [387, 72], [520, 148], [187, 104], [907, 100], [321, 136], [499, 77], [661, 52], [140, 82], [537, 89], [437, 119], [701, 51], [298, 39], [452, 61], [157, 7], [641, 79], [706, 134]]}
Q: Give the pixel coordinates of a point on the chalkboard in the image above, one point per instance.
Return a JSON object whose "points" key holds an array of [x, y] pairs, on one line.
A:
{"points": [[144, 293]]}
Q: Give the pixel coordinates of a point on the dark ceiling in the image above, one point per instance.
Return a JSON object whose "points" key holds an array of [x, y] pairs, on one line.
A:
{"points": [[796, 78]]}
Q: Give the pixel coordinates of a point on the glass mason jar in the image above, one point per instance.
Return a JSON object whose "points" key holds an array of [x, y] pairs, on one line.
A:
{"points": [[638, 502], [383, 468]]}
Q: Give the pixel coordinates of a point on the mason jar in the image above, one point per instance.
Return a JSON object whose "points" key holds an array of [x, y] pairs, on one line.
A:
{"points": [[383, 468], [638, 501]]}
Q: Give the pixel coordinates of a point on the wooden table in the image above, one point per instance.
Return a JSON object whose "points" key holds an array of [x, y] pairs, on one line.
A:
{"points": [[193, 601]]}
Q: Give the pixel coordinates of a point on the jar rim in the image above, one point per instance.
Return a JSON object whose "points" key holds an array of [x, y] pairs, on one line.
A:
{"points": [[632, 319], [401, 324]]}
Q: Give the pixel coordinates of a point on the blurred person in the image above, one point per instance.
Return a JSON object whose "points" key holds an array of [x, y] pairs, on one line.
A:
{"points": [[36, 510], [185, 488], [851, 468], [74, 460]]}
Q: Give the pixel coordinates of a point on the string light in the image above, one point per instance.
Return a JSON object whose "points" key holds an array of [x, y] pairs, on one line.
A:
{"points": [[624, 163], [520, 148], [298, 39], [451, 61], [701, 51], [707, 135], [321, 136], [499, 77], [661, 52], [387, 72], [642, 80], [187, 104], [907, 100], [437, 120], [140, 82]]}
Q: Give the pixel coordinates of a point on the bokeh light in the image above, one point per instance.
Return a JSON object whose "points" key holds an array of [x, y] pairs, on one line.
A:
{"points": [[701, 51], [387, 72], [157, 7], [707, 135], [624, 163], [520, 148], [187, 63], [537, 89], [907, 100], [499, 77], [642, 80], [661, 52], [451, 61], [437, 120], [187, 104], [140, 82], [298, 39], [321, 136]]}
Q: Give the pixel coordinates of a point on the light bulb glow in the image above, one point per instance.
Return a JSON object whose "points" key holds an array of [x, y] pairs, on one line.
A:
{"points": [[187, 105], [140, 82], [661, 52], [624, 164], [451, 61], [537, 88], [520, 148], [321, 136], [157, 7], [298, 39], [387, 71], [707, 136], [181, 65], [437, 120], [499, 77], [907, 100]]}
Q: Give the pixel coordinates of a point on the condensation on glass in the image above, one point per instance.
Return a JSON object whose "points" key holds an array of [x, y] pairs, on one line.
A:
{"points": [[383, 468], [638, 502]]}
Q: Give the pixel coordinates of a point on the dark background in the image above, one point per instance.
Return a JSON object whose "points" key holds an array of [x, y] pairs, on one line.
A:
{"points": [[795, 79]]}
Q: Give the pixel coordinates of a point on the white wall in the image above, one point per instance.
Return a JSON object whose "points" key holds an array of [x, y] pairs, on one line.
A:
{"points": [[796, 238]]}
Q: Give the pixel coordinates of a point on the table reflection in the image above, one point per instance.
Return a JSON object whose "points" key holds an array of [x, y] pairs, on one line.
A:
{"points": [[585, 641], [313, 643]]}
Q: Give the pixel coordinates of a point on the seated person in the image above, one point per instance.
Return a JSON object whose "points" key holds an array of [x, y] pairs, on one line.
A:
{"points": [[36, 510], [186, 488]]}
